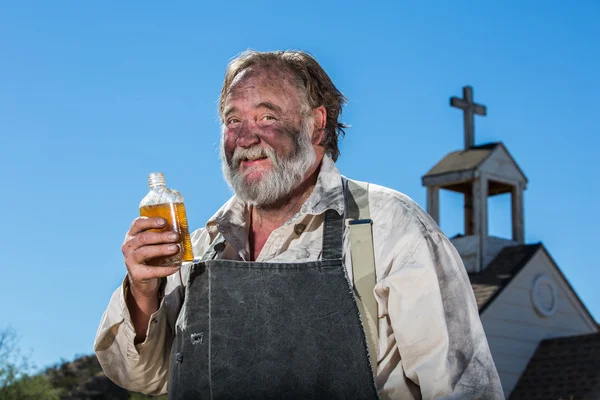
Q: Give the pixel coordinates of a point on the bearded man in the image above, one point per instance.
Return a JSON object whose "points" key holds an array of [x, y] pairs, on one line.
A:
{"points": [[272, 310]]}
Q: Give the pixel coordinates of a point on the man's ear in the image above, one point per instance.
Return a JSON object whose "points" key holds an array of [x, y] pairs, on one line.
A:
{"points": [[320, 117]]}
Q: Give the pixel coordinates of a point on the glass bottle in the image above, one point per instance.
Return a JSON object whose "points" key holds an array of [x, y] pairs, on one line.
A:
{"points": [[168, 204]]}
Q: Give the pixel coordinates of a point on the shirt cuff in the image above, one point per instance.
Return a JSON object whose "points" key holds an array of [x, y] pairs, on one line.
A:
{"points": [[155, 325]]}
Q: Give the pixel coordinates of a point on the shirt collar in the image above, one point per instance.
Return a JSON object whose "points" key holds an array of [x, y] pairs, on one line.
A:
{"points": [[328, 193]]}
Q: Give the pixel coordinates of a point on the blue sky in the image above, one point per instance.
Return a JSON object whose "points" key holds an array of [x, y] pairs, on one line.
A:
{"points": [[95, 95]]}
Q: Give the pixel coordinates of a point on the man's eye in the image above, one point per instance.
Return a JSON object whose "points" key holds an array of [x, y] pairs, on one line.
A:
{"points": [[267, 120], [232, 122]]}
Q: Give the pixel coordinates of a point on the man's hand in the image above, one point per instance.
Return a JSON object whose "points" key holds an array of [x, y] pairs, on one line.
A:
{"points": [[141, 245]]}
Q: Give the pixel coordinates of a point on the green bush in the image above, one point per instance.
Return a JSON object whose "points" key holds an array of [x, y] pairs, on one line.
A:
{"points": [[16, 383], [36, 387]]}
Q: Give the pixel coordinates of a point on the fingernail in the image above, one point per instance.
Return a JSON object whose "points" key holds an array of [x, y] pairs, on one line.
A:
{"points": [[172, 236], [173, 247], [160, 222]]}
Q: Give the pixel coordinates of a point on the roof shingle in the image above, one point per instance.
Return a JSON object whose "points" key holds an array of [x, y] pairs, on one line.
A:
{"points": [[566, 368], [462, 160], [503, 268]]}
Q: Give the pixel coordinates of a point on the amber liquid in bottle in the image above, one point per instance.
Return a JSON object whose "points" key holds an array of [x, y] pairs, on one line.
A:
{"points": [[177, 222]]}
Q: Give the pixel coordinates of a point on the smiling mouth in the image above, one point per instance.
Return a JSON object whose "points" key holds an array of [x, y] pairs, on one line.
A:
{"points": [[250, 159]]}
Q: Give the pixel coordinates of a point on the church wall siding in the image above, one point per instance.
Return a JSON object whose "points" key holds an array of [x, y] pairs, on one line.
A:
{"points": [[508, 378], [514, 328], [510, 327], [521, 297], [510, 345], [511, 382], [568, 302]]}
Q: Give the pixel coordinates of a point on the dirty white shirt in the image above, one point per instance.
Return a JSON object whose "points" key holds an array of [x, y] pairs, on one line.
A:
{"points": [[431, 341]]}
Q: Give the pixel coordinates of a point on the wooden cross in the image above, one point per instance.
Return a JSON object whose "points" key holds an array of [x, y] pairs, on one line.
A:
{"points": [[470, 109]]}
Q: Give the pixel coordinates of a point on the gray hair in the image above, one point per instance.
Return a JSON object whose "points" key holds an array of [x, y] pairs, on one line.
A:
{"points": [[310, 78]]}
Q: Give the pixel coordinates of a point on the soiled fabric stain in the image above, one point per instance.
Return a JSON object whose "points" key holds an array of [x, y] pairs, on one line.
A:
{"points": [[255, 350], [432, 344], [468, 352]]}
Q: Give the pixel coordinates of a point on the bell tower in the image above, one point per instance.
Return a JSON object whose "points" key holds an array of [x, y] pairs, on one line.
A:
{"points": [[478, 172]]}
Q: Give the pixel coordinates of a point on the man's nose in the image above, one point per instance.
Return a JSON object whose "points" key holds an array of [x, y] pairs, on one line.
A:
{"points": [[248, 134]]}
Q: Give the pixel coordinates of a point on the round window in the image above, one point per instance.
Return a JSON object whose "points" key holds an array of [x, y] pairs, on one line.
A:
{"points": [[544, 295]]}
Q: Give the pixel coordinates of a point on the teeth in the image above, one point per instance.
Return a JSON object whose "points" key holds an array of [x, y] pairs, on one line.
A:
{"points": [[253, 154]]}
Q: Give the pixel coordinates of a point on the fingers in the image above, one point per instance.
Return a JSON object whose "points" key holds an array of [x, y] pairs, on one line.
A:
{"points": [[141, 224], [139, 262], [147, 253], [133, 240], [146, 238], [141, 245], [148, 245]]}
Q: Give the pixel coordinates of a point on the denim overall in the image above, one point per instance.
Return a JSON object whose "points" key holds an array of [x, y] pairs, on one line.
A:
{"points": [[250, 330]]}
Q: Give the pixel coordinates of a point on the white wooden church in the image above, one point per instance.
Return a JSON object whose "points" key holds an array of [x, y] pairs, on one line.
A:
{"points": [[545, 343]]}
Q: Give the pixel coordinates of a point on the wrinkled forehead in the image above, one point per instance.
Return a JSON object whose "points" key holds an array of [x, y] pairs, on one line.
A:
{"points": [[272, 79]]}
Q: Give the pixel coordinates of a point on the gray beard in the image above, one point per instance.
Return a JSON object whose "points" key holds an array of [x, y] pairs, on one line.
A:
{"points": [[285, 176]]}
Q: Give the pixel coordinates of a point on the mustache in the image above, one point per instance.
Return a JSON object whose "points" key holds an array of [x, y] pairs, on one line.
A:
{"points": [[251, 153]]}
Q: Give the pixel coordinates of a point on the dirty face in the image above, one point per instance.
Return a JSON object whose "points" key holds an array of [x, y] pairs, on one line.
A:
{"points": [[266, 145]]}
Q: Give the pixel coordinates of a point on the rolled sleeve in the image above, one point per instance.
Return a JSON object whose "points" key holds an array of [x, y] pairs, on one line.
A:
{"points": [[436, 324], [142, 367]]}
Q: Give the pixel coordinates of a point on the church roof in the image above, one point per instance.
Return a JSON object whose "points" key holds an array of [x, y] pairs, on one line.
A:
{"points": [[488, 285], [503, 268], [567, 368], [463, 160]]}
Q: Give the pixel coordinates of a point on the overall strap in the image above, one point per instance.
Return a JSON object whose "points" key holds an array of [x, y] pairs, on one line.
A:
{"points": [[359, 223], [333, 240]]}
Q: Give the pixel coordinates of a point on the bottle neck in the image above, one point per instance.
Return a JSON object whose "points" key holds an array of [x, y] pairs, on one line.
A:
{"points": [[156, 180]]}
